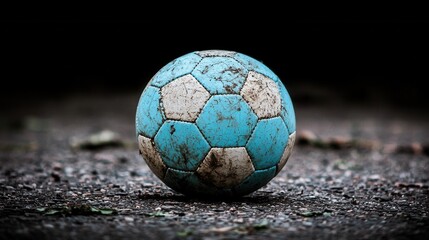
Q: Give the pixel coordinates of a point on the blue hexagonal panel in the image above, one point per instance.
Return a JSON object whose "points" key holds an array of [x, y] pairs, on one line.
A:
{"points": [[177, 68], [256, 180], [254, 65], [220, 75], [267, 143], [181, 145], [149, 115], [287, 111], [226, 121]]}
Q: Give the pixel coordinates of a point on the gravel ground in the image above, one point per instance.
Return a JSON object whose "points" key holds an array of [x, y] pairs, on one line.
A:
{"points": [[52, 189]]}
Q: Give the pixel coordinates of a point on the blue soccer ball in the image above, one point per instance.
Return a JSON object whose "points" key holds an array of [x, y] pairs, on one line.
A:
{"points": [[215, 123]]}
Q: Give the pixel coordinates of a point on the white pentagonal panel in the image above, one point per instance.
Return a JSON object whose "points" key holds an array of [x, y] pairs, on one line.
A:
{"points": [[184, 98], [151, 156], [216, 53], [226, 167], [287, 152], [262, 94]]}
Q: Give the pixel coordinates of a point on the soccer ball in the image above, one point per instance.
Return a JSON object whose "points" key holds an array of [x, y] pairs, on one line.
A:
{"points": [[215, 123]]}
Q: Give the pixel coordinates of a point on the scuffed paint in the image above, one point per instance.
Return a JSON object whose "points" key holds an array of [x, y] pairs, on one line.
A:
{"points": [[220, 75], [256, 180], [149, 116], [225, 167], [226, 121], [287, 111], [181, 145], [262, 94], [151, 156], [287, 152], [215, 123], [183, 98], [190, 184], [254, 65], [176, 68], [267, 142], [216, 53]]}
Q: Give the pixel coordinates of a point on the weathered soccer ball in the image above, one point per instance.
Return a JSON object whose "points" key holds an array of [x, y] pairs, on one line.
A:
{"points": [[215, 123]]}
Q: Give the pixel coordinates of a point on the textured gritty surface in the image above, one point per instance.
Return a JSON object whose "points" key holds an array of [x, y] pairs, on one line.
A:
{"points": [[227, 102], [322, 193]]}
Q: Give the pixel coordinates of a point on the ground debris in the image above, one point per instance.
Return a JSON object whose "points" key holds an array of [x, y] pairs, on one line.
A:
{"points": [[76, 209], [184, 233], [308, 138], [105, 138], [240, 229], [157, 214], [412, 148], [332, 191], [410, 185], [310, 213]]}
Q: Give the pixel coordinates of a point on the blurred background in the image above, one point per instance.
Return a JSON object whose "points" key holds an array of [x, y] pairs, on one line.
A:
{"points": [[355, 60], [70, 87]]}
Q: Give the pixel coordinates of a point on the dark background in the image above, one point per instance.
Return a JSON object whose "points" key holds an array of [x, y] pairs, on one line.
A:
{"points": [[360, 59], [359, 170]]}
